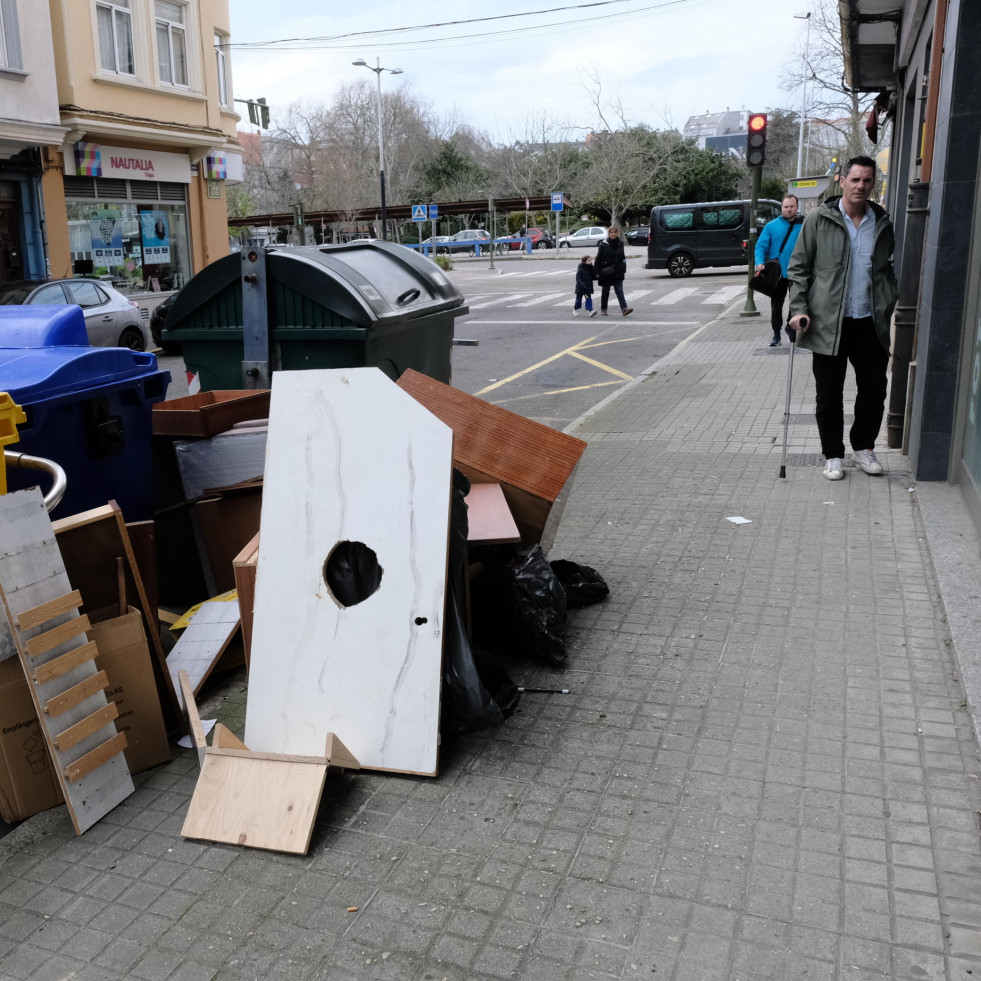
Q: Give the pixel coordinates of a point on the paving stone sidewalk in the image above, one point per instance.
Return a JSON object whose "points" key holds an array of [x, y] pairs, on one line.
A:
{"points": [[765, 769]]}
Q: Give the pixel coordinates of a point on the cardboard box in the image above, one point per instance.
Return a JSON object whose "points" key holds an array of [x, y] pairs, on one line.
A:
{"points": [[125, 658], [28, 784]]}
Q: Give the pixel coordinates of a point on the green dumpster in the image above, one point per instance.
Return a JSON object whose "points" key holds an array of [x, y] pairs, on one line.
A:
{"points": [[372, 304]]}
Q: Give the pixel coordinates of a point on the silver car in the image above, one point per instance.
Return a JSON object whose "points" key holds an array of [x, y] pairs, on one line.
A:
{"points": [[584, 238], [111, 320]]}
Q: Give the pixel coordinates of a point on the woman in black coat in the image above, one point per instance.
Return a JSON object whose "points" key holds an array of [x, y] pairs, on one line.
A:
{"points": [[611, 268]]}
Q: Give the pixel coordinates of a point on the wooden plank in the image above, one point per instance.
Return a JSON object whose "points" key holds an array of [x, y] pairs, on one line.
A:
{"points": [[223, 738], [245, 566], [259, 803], [48, 611], [43, 673], [90, 543], [32, 573], [506, 447], [281, 757], [339, 755], [372, 669], [57, 636], [204, 641], [75, 695], [193, 719], [489, 519], [95, 758], [73, 735]]}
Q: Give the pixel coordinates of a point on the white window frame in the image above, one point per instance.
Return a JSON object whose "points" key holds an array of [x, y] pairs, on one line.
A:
{"points": [[10, 53], [118, 10], [172, 27], [221, 63]]}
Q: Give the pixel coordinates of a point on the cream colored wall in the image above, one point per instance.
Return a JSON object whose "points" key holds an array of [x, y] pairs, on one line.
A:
{"points": [[83, 83]]}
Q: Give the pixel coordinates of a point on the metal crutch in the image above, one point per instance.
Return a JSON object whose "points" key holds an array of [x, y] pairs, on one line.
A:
{"points": [[786, 413]]}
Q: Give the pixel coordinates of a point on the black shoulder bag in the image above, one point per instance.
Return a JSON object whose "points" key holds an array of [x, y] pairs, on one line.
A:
{"points": [[767, 280]]}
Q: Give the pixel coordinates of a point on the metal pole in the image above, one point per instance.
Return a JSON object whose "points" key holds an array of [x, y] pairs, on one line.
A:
{"points": [[381, 151], [492, 223], [803, 98], [749, 310]]}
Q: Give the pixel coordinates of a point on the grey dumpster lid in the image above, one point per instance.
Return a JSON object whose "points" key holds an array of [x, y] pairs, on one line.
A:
{"points": [[369, 284]]}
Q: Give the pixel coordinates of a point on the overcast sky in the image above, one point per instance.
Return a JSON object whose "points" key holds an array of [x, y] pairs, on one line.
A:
{"points": [[665, 59]]}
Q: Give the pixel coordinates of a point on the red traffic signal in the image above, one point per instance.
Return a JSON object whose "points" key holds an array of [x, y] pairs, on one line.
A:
{"points": [[756, 139]]}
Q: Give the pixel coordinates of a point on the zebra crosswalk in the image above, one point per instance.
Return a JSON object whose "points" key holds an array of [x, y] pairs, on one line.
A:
{"points": [[637, 298]]}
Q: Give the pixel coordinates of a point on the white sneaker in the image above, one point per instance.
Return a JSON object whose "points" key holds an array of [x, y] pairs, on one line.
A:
{"points": [[575, 313], [867, 461], [833, 469]]}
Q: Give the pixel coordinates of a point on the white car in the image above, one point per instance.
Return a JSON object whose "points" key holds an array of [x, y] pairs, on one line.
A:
{"points": [[111, 320], [584, 238]]}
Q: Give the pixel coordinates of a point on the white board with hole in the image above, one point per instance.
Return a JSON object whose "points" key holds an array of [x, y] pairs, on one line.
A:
{"points": [[348, 622]]}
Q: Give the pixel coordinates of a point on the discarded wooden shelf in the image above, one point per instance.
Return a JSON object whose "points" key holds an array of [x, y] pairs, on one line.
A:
{"points": [[258, 800]]}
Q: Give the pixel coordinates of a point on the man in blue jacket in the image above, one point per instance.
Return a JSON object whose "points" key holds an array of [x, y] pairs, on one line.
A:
{"points": [[777, 241]]}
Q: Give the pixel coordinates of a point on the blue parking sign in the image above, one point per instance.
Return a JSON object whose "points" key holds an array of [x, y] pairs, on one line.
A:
{"points": [[557, 200], [433, 212], [418, 212]]}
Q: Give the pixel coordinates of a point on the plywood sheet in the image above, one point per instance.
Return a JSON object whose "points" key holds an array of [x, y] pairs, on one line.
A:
{"points": [[489, 519], [92, 771], [350, 458]]}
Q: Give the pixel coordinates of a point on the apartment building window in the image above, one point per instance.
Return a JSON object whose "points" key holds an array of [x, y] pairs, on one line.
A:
{"points": [[171, 42], [116, 36], [222, 65], [10, 56]]}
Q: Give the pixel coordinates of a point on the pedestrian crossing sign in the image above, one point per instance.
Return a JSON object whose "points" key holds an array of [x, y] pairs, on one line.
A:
{"points": [[418, 212]]}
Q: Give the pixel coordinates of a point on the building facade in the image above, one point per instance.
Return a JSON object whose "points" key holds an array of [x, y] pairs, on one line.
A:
{"points": [[29, 120], [136, 189], [923, 58]]}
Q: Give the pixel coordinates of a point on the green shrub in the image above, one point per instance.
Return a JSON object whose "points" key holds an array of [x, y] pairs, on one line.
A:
{"points": [[443, 261]]}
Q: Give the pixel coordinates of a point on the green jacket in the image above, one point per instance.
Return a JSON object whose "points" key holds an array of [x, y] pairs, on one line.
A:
{"points": [[818, 274]]}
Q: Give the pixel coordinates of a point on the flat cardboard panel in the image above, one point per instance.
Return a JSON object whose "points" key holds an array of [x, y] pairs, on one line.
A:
{"points": [[28, 784], [125, 658], [351, 458], [492, 444]]}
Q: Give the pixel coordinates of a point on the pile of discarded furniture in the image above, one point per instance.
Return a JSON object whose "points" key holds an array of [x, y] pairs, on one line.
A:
{"points": [[315, 521]]}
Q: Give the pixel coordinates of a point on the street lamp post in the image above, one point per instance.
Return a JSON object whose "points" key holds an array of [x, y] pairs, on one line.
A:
{"points": [[803, 98], [361, 63]]}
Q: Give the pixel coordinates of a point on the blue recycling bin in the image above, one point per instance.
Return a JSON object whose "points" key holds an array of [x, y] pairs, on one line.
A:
{"points": [[88, 408]]}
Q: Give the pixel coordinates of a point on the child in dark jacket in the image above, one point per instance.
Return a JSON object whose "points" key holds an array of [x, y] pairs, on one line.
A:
{"points": [[584, 286]]}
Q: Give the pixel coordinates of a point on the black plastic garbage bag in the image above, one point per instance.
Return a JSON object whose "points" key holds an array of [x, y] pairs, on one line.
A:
{"points": [[467, 704], [539, 604], [583, 585]]}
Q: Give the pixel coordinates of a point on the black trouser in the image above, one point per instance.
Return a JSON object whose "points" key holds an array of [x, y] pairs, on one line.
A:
{"points": [[860, 345], [776, 307]]}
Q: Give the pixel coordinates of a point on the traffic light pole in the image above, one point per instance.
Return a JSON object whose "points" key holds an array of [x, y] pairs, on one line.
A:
{"points": [[749, 310]]}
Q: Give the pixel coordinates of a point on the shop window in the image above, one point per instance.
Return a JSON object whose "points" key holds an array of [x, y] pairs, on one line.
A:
{"points": [[10, 56], [171, 43], [221, 63], [115, 36]]}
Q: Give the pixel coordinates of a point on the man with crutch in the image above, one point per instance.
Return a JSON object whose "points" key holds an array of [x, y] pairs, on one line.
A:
{"points": [[842, 294]]}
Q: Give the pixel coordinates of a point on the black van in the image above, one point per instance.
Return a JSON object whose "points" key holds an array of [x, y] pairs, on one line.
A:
{"points": [[691, 236]]}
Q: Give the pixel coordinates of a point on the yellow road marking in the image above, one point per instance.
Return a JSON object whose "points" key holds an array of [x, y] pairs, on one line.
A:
{"points": [[557, 391], [574, 352]]}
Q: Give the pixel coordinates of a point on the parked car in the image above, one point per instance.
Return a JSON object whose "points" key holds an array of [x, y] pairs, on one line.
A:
{"points": [[638, 236], [435, 243], [158, 320], [111, 320], [584, 238], [541, 238], [692, 236], [466, 241]]}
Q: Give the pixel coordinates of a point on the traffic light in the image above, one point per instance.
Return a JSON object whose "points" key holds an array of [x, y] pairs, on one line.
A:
{"points": [[258, 112], [756, 139]]}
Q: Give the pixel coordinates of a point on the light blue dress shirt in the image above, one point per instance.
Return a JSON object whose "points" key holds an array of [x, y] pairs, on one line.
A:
{"points": [[858, 297]]}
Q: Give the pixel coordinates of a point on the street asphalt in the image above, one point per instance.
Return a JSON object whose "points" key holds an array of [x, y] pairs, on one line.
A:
{"points": [[766, 768]]}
